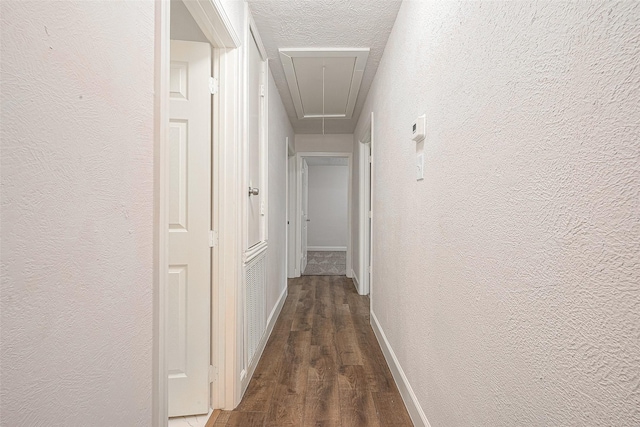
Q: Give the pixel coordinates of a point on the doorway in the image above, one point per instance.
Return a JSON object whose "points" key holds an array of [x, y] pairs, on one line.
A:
{"points": [[195, 48], [190, 202], [323, 202], [188, 337]]}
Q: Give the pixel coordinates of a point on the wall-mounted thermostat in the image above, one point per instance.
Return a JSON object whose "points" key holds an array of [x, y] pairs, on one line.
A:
{"points": [[418, 128]]}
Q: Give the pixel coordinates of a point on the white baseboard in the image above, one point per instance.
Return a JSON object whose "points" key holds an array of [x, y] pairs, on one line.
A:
{"points": [[327, 248], [271, 320], [408, 396], [356, 282], [245, 376]]}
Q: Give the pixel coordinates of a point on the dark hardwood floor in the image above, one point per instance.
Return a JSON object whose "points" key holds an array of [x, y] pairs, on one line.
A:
{"points": [[322, 365]]}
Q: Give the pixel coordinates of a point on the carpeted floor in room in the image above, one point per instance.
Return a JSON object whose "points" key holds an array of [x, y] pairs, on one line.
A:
{"points": [[326, 263]]}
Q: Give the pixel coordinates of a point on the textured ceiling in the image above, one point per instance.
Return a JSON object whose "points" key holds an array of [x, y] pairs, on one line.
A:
{"points": [[324, 23]]}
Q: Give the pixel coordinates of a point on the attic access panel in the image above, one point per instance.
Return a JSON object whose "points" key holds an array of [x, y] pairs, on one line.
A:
{"points": [[343, 70]]}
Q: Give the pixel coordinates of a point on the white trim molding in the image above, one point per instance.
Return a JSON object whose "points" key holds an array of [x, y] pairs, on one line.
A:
{"points": [[254, 251], [214, 22], [275, 313], [160, 393], [365, 203], [408, 396]]}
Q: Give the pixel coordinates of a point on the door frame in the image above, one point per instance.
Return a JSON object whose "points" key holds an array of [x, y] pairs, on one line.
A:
{"points": [[292, 268], [365, 243], [290, 156], [303, 221], [216, 26], [298, 204]]}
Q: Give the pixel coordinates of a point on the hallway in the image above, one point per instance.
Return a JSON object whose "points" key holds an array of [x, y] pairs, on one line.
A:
{"points": [[322, 365], [169, 172]]}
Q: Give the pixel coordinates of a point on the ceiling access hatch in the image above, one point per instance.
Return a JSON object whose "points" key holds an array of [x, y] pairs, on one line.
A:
{"points": [[324, 82]]}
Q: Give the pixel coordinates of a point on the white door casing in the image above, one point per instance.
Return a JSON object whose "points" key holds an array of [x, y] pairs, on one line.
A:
{"points": [[293, 264], [370, 194], [369, 210], [304, 219], [189, 285], [365, 219]]}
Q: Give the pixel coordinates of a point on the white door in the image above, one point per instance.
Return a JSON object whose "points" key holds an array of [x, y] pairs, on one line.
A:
{"points": [[254, 154], [305, 213], [189, 223], [369, 227]]}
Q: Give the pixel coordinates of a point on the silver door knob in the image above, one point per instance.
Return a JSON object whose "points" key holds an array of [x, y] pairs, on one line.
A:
{"points": [[253, 191]]}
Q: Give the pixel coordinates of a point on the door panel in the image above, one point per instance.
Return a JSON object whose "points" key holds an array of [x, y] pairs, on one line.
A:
{"points": [[305, 213], [178, 174], [254, 149], [188, 337]]}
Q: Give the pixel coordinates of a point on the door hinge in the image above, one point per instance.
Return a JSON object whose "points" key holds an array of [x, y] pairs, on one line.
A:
{"points": [[213, 374], [213, 238], [214, 87], [370, 159], [262, 91], [369, 269], [370, 214]]}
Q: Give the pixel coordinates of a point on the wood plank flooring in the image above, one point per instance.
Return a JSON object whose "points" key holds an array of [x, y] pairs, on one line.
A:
{"points": [[322, 365]]}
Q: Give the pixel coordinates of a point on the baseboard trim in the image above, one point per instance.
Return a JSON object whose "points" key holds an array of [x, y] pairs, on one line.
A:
{"points": [[271, 321], [327, 248], [356, 282], [408, 396]]}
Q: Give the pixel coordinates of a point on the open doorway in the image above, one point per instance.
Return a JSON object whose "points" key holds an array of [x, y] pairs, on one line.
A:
{"points": [[196, 48], [325, 207], [323, 244]]}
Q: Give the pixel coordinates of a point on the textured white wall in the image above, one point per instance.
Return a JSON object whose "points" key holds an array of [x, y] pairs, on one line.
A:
{"points": [[336, 143], [77, 213], [516, 261], [183, 26], [279, 129], [234, 9], [328, 192]]}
